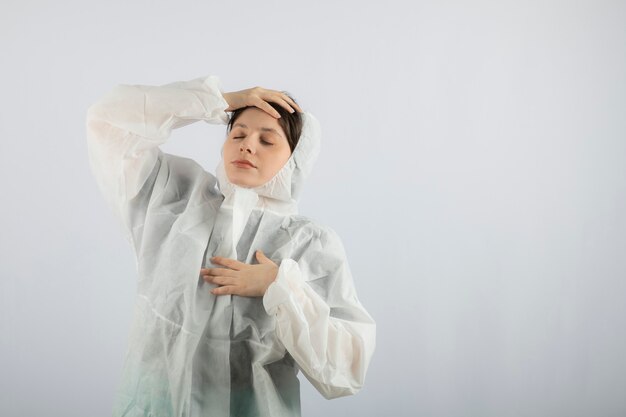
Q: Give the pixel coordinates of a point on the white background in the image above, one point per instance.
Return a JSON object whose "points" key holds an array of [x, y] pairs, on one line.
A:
{"points": [[473, 162]]}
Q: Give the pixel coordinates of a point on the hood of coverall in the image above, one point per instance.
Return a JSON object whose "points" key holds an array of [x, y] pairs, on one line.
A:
{"points": [[280, 194], [282, 191]]}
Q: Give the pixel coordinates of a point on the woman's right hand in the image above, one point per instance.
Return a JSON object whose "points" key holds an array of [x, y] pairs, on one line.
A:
{"points": [[259, 97]]}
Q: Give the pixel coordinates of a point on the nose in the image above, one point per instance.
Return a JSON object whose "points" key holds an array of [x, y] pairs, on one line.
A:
{"points": [[245, 148], [246, 145]]}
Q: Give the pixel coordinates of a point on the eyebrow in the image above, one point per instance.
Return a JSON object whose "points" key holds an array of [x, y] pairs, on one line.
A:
{"points": [[264, 129]]}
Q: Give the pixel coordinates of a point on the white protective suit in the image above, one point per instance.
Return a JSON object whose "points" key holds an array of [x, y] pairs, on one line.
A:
{"points": [[192, 353]]}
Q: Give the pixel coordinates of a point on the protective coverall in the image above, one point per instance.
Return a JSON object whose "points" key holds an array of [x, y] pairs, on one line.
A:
{"points": [[192, 353]]}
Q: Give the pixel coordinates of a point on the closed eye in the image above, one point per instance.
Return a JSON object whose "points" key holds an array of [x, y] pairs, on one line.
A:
{"points": [[262, 140]]}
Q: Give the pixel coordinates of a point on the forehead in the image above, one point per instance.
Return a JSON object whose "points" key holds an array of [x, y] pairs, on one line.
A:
{"points": [[257, 119]]}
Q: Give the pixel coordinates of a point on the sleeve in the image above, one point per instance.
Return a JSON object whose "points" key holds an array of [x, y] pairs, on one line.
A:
{"points": [[124, 130], [320, 320]]}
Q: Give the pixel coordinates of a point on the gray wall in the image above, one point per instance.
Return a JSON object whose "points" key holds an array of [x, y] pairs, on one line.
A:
{"points": [[473, 162]]}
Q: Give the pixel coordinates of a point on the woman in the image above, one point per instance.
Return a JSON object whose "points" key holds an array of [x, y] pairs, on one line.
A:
{"points": [[215, 333]]}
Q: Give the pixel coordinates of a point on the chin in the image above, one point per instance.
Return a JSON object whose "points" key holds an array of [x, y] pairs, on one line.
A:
{"points": [[245, 184]]}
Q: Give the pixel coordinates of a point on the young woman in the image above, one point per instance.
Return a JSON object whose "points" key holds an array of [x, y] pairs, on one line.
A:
{"points": [[236, 291]]}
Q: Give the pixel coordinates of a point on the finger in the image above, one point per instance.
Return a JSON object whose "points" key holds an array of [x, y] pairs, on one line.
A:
{"points": [[218, 271], [261, 256], [293, 103], [220, 280], [264, 259], [265, 106], [281, 100], [228, 289], [286, 101], [231, 263]]}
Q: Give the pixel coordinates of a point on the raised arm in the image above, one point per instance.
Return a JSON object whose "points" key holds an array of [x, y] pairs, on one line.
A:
{"points": [[320, 320], [127, 125]]}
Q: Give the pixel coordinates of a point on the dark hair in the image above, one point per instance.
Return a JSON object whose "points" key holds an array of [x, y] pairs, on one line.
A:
{"points": [[291, 123]]}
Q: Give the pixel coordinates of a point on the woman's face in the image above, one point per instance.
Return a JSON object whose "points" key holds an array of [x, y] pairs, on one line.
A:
{"points": [[258, 138]]}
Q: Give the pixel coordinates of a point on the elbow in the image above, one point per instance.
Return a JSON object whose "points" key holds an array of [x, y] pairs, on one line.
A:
{"points": [[95, 112], [105, 107]]}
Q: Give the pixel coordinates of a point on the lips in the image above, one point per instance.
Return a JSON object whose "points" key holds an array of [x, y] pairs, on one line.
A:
{"points": [[243, 161]]}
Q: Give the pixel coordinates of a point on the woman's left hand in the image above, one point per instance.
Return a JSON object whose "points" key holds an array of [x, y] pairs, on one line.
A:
{"points": [[241, 278]]}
